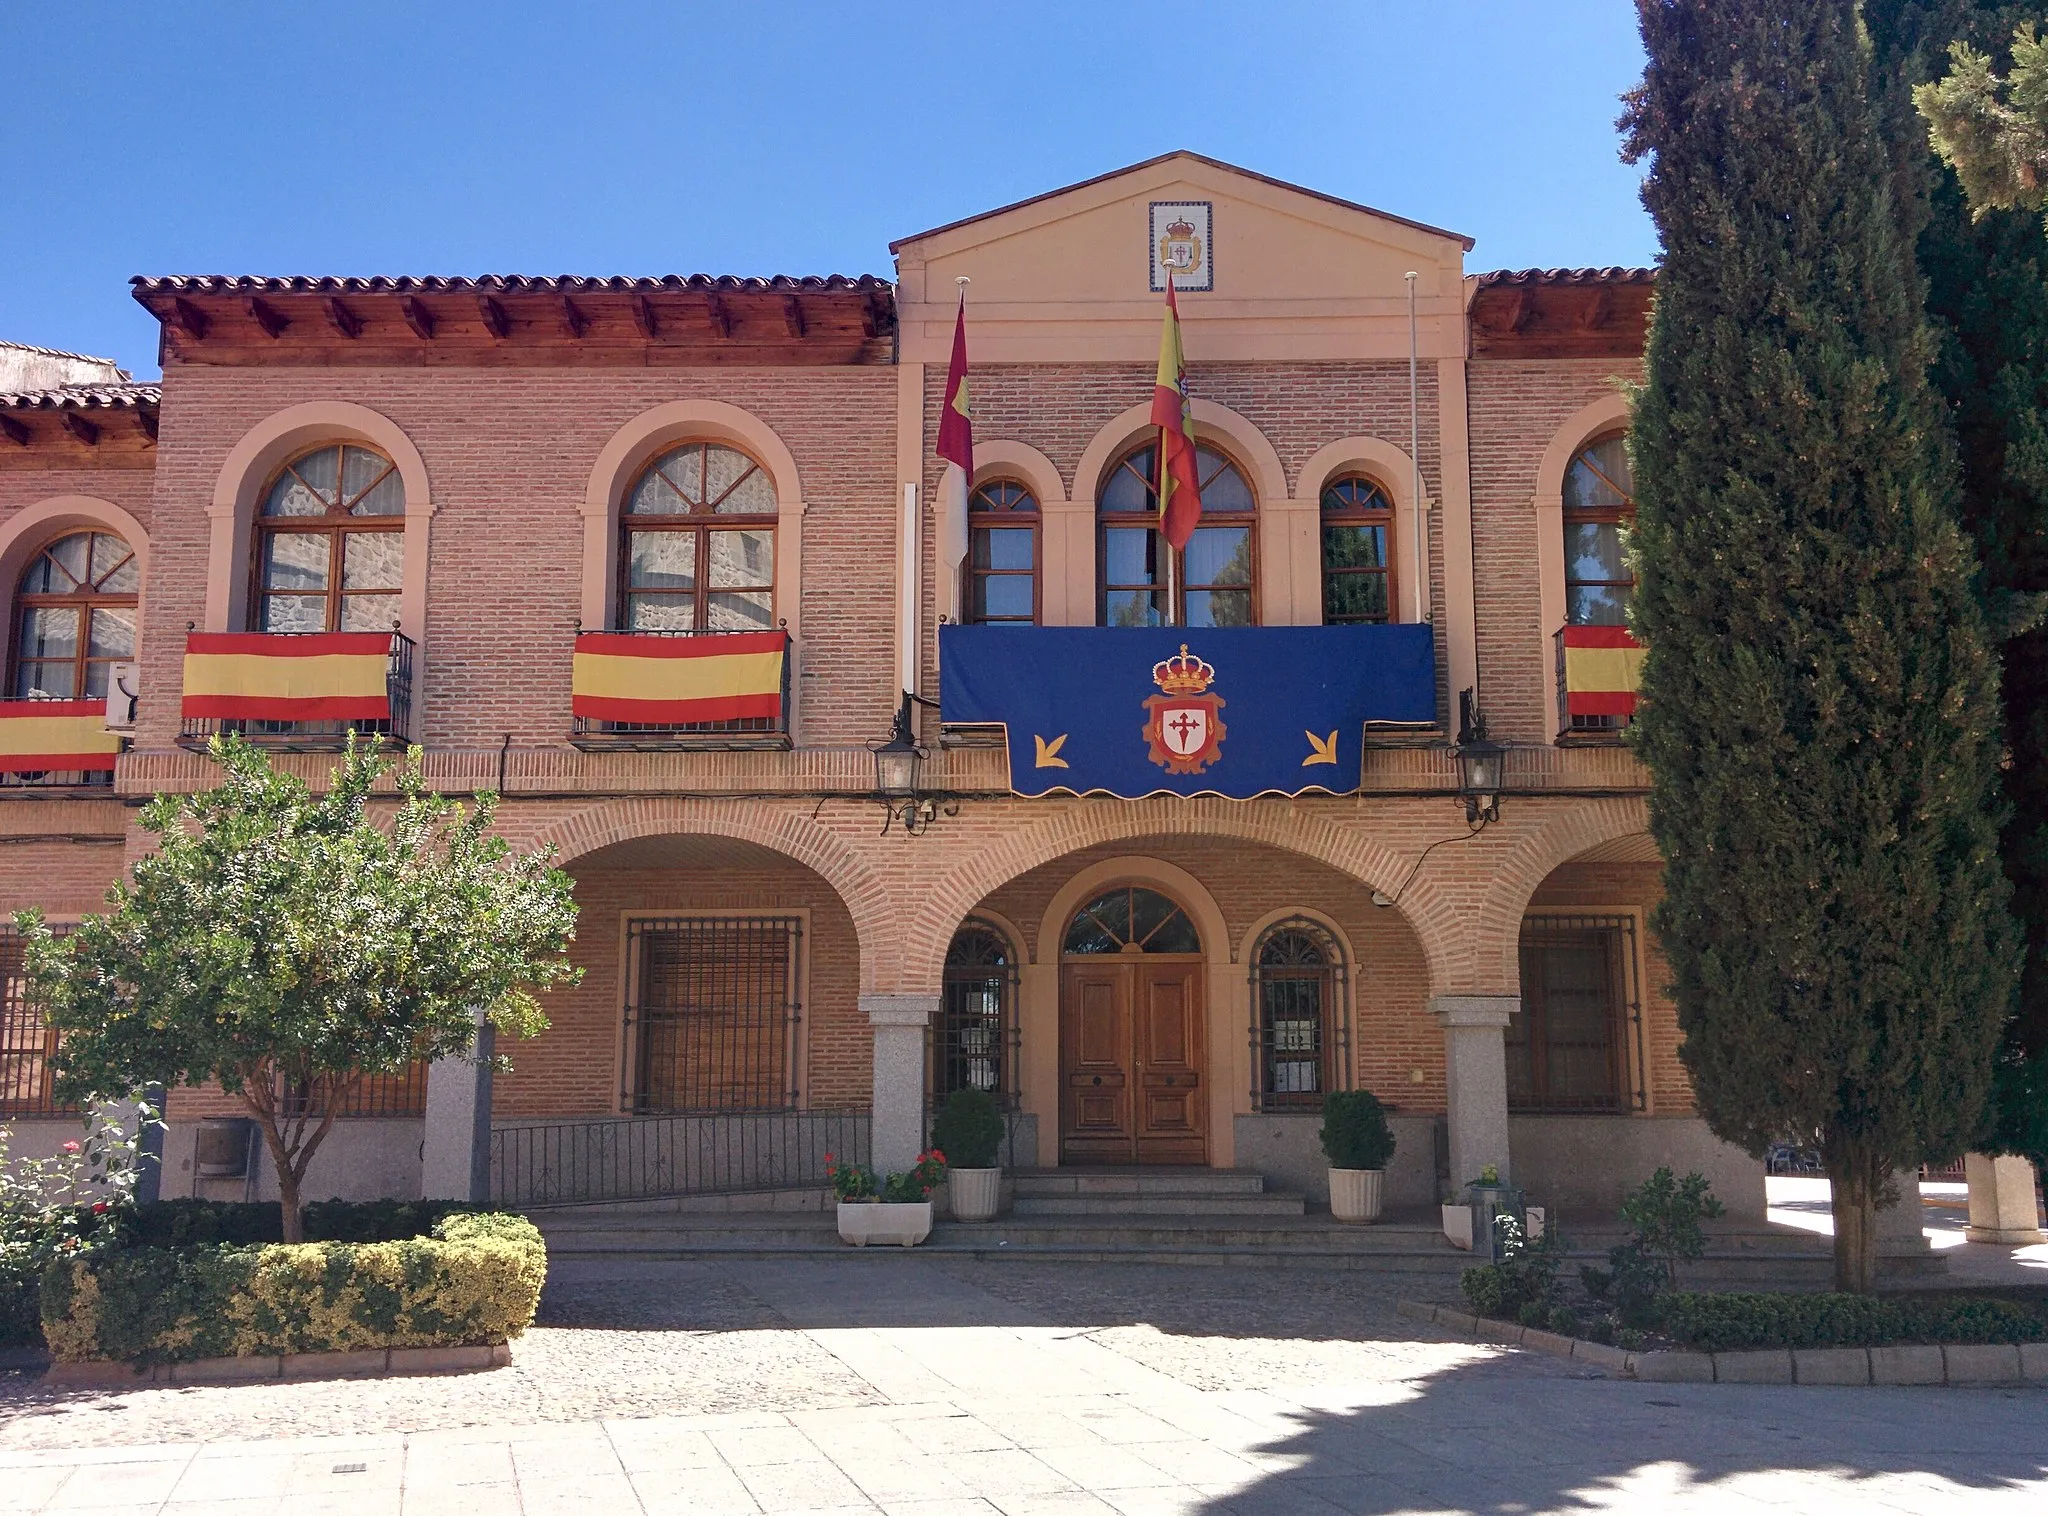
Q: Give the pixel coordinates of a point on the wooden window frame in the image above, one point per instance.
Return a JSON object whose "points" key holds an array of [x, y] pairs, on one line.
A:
{"points": [[984, 515], [1351, 514], [701, 521], [85, 599], [1621, 515], [1107, 521], [337, 525]]}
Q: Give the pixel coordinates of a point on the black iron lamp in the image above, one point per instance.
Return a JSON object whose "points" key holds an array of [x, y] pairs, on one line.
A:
{"points": [[1481, 763], [899, 774]]}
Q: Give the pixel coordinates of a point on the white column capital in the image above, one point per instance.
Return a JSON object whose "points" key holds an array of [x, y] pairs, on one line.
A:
{"points": [[1474, 1010], [899, 1010]]}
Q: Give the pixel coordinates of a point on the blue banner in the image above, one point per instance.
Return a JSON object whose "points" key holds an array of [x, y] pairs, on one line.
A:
{"points": [[1137, 711]]}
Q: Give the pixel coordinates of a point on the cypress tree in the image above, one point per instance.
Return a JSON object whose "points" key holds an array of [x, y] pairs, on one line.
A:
{"points": [[1820, 704]]}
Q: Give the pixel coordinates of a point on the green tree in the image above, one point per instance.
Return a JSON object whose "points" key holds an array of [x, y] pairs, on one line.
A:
{"points": [[1992, 129], [1984, 261], [287, 945], [1820, 696]]}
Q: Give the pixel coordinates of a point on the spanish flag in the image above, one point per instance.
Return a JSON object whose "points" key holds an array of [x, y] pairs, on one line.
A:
{"points": [[271, 676], [65, 735], [1180, 487], [1603, 668], [678, 681]]}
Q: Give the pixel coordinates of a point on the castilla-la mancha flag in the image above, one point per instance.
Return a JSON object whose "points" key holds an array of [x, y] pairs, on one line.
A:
{"points": [[1180, 490], [956, 446]]}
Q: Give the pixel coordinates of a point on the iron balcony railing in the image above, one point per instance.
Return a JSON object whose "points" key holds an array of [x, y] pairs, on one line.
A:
{"points": [[321, 735], [56, 779], [768, 731], [1604, 708], [652, 1157]]}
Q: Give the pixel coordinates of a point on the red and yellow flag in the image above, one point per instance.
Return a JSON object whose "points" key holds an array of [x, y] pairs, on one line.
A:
{"points": [[67, 735], [1603, 667], [956, 420], [678, 681], [1180, 487], [268, 676]]}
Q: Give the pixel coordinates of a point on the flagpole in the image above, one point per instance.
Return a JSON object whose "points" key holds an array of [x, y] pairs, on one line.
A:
{"points": [[1417, 552], [1159, 476]]}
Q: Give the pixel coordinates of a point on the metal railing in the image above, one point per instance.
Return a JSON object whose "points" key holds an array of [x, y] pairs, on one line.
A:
{"points": [[324, 736], [1575, 1063], [27, 1043], [375, 1095], [52, 779], [652, 1157], [743, 734]]}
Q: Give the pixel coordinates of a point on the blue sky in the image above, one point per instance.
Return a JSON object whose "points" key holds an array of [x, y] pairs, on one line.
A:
{"points": [[643, 138]]}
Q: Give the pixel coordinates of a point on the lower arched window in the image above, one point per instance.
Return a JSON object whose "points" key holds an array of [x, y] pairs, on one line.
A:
{"points": [[330, 544], [1131, 918], [1300, 1023], [973, 1049], [75, 611]]}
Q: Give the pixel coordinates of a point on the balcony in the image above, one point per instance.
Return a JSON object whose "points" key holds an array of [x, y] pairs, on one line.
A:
{"points": [[56, 744], [297, 692], [680, 691], [1237, 711], [1598, 671]]}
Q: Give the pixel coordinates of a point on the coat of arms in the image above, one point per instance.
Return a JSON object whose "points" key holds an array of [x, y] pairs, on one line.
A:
{"points": [[1183, 724], [1179, 248], [1182, 245]]}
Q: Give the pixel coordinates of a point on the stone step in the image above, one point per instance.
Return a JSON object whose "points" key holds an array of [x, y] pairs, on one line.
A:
{"points": [[1137, 1181], [1268, 1204]]}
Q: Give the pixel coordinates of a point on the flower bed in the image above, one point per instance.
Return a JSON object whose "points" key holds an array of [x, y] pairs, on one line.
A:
{"points": [[475, 1280]]}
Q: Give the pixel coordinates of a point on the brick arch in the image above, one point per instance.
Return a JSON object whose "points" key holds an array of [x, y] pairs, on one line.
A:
{"points": [[789, 833], [1496, 927], [944, 900]]}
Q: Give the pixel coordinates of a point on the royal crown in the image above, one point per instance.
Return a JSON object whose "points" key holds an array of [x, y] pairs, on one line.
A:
{"points": [[1183, 675], [1180, 229]]}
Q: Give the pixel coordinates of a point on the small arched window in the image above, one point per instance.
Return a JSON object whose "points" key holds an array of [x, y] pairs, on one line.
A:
{"points": [[330, 544], [977, 1017], [75, 612], [1002, 554], [1599, 505], [1298, 1020], [1358, 571], [1131, 919], [697, 544], [1215, 581]]}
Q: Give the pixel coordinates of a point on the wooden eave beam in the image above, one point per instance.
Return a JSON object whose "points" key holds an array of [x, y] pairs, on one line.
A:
{"points": [[496, 322], [717, 314], [269, 317], [13, 431], [574, 322], [873, 315], [1521, 308], [146, 421], [793, 315], [418, 317], [84, 430], [644, 317], [1597, 309], [346, 321], [190, 319]]}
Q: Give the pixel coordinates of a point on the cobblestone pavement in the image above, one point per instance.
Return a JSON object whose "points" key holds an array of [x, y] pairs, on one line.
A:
{"points": [[953, 1388]]}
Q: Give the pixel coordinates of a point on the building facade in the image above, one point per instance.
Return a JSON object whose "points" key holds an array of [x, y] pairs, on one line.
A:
{"points": [[520, 510]]}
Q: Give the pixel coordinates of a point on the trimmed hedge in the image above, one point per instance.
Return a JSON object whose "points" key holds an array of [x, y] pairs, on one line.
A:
{"points": [[1726, 1322], [477, 1279]]}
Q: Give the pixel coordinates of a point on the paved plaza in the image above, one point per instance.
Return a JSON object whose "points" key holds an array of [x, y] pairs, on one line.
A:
{"points": [[925, 1387]]}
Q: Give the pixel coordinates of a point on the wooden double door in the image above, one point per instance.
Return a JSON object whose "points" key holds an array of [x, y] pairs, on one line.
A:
{"points": [[1133, 1070]]}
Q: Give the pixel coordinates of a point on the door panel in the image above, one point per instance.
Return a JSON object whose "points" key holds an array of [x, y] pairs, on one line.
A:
{"points": [[1132, 1062]]}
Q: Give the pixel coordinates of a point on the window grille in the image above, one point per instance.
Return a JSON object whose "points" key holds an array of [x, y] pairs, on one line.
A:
{"points": [[26, 1041], [975, 1042], [712, 1014], [1301, 1016], [386, 1095], [1569, 1047]]}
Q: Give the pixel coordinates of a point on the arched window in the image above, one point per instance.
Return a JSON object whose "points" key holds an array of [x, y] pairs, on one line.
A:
{"points": [[1599, 504], [1131, 919], [1358, 570], [977, 1017], [1002, 554], [1216, 578], [697, 544], [75, 613], [330, 544], [1298, 1016]]}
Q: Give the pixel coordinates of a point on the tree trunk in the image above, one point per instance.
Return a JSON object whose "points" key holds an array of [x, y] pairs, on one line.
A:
{"points": [[288, 1169], [1854, 1186]]}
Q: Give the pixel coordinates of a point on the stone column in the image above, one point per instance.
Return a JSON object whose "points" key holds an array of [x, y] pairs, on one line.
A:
{"points": [[455, 1157], [1902, 1228], [899, 1023], [1476, 1079], [2002, 1207]]}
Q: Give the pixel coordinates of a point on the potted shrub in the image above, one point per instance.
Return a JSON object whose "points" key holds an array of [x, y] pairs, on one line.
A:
{"points": [[969, 1131], [898, 1211], [1358, 1142]]}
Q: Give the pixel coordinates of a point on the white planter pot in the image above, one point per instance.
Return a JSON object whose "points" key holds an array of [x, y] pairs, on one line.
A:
{"points": [[900, 1225], [975, 1193], [1355, 1193], [1458, 1226]]}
